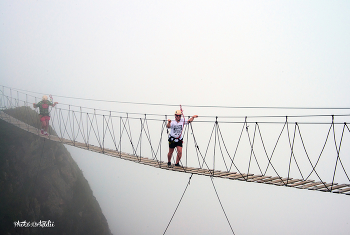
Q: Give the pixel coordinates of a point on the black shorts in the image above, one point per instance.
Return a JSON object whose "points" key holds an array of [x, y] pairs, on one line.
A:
{"points": [[173, 144]]}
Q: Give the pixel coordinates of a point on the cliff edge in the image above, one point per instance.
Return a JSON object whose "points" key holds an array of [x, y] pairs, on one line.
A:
{"points": [[41, 183]]}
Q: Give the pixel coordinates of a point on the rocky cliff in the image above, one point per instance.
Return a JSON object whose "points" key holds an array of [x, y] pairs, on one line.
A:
{"points": [[39, 181]]}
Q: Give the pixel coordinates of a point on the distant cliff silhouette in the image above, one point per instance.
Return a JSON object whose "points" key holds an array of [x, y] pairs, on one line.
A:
{"points": [[39, 181]]}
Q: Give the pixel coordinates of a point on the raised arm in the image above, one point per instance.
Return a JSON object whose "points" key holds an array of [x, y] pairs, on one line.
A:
{"points": [[192, 118]]}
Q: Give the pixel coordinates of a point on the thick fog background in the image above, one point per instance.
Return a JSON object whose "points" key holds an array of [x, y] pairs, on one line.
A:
{"points": [[226, 53]]}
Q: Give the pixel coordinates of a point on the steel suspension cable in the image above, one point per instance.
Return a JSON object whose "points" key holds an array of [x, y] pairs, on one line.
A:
{"points": [[189, 181], [222, 207], [193, 106]]}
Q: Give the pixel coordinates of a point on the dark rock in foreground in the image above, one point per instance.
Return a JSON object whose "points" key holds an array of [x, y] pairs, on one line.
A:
{"points": [[39, 181]]}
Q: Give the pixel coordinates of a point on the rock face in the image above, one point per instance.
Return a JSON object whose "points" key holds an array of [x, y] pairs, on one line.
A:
{"points": [[39, 181]]}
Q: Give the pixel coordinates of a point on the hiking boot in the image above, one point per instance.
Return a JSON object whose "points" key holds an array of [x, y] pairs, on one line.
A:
{"points": [[178, 165], [169, 164], [45, 133], [42, 132]]}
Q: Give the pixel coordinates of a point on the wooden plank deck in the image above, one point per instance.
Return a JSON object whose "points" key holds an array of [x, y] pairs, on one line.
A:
{"points": [[278, 181]]}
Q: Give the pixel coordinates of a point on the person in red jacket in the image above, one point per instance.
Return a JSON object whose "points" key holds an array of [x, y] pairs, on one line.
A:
{"points": [[44, 115]]}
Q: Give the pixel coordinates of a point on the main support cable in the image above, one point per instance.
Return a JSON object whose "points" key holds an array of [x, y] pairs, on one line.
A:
{"points": [[119, 113], [193, 106], [189, 180], [211, 178]]}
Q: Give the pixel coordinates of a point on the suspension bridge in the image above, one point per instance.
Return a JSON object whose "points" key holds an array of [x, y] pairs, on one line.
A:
{"points": [[230, 147]]}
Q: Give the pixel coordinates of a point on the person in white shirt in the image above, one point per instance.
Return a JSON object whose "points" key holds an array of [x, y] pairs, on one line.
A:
{"points": [[175, 136]]}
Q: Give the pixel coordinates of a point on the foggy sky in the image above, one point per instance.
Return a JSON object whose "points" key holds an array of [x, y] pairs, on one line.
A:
{"points": [[233, 53]]}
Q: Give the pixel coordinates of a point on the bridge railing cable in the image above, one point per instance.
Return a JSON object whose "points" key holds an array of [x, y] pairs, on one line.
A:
{"points": [[215, 145]]}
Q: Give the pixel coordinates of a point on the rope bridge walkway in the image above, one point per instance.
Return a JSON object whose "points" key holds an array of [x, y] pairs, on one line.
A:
{"points": [[126, 135]]}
